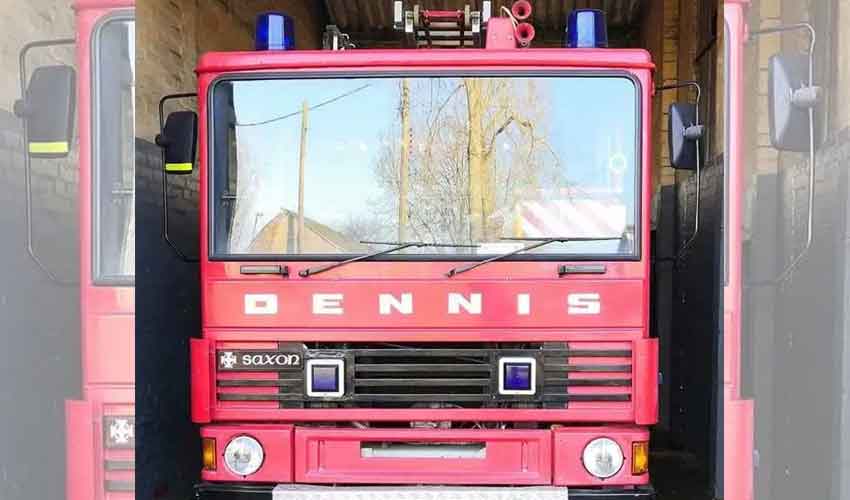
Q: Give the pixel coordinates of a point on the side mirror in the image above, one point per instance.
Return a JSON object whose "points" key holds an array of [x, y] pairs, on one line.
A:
{"points": [[683, 135], [48, 111], [790, 99], [179, 140]]}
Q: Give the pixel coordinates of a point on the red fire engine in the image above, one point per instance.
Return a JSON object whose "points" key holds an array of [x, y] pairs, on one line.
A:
{"points": [[101, 426], [793, 97], [415, 277]]}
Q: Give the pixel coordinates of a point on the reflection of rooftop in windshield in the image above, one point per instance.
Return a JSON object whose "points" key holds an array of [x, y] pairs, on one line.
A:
{"points": [[460, 160]]}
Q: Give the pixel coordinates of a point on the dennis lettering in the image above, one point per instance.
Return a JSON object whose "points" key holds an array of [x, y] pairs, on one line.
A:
{"points": [[457, 304]]}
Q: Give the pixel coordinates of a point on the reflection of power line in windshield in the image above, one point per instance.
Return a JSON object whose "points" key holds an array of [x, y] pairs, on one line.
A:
{"points": [[296, 113]]}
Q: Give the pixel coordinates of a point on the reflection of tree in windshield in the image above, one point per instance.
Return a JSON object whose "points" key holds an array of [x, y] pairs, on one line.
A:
{"points": [[475, 147]]}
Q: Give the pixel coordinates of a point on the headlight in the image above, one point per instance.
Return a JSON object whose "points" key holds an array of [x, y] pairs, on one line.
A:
{"points": [[243, 455], [602, 457]]}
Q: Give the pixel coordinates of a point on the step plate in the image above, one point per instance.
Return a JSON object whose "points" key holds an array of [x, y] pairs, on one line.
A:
{"points": [[310, 492]]}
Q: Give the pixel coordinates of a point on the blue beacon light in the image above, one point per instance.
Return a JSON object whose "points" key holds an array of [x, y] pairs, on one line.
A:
{"points": [[587, 29], [275, 31]]}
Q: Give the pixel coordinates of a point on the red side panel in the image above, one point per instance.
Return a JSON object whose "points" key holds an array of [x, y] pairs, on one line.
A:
{"points": [[646, 381], [738, 412], [341, 456], [738, 436], [200, 360], [80, 459], [569, 443]]}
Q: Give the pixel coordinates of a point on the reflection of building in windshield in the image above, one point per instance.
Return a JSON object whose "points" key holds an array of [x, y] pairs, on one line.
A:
{"points": [[573, 218], [280, 235], [584, 213]]}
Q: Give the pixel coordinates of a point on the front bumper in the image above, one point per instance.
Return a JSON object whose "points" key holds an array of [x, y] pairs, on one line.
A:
{"points": [[218, 491], [509, 457]]}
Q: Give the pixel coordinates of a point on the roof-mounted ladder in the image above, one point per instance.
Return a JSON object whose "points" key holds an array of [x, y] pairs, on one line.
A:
{"points": [[442, 28]]}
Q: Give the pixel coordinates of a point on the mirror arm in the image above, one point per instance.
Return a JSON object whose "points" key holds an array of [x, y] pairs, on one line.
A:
{"points": [[695, 133], [806, 98], [21, 110], [161, 141]]}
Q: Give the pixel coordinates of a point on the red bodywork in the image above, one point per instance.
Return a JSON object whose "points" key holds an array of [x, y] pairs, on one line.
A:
{"points": [[107, 313], [738, 413], [331, 455]]}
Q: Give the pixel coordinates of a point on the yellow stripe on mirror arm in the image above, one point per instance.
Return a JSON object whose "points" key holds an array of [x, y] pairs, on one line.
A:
{"points": [[178, 167], [48, 147]]}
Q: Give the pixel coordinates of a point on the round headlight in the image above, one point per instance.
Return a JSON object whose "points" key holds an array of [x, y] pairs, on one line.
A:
{"points": [[602, 457], [243, 455]]}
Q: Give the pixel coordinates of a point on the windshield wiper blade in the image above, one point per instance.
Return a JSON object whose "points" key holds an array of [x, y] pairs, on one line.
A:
{"points": [[538, 242], [396, 246]]}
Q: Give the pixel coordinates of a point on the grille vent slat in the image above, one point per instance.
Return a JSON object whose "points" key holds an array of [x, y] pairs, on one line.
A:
{"points": [[414, 367]]}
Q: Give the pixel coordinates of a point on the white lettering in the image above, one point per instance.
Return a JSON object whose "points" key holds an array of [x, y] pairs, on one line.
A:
{"points": [[270, 359], [387, 302], [327, 303], [260, 304], [458, 301], [583, 303], [523, 304]]}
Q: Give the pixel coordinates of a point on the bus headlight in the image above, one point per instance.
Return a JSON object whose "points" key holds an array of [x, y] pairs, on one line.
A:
{"points": [[243, 455], [602, 457]]}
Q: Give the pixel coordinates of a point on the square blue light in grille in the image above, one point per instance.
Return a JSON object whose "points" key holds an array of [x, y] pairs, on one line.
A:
{"points": [[518, 376], [325, 378]]}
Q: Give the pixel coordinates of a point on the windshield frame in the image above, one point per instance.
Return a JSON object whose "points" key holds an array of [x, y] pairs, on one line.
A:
{"points": [[99, 277], [212, 114]]}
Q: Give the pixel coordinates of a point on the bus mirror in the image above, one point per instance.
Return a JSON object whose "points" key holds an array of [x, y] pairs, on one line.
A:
{"points": [[683, 135], [179, 139], [48, 111], [790, 98]]}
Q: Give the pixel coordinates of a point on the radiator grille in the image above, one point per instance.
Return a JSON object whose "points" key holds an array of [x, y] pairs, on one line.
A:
{"points": [[119, 443], [436, 375]]}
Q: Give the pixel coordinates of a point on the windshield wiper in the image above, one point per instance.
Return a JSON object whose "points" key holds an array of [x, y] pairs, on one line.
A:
{"points": [[400, 245], [538, 242]]}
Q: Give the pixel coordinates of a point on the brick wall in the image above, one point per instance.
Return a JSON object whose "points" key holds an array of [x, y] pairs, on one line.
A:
{"points": [[799, 336], [697, 300], [173, 33], [167, 455], [40, 358], [55, 181], [687, 46], [24, 22]]}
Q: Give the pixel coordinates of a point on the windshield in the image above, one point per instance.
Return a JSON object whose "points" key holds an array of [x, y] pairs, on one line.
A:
{"points": [[319, 167], [114, 160]]}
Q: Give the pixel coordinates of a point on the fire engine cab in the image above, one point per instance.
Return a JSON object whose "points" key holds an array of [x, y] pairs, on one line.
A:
{"points": [[425, 271]]}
